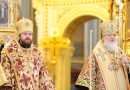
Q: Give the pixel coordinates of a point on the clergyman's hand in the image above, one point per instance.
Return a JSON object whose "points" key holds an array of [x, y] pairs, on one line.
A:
{"points": [[124, 59]]}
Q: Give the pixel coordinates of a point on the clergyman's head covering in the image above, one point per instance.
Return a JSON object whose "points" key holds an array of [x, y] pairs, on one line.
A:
{"points": [[24, 25], [108, 27]]}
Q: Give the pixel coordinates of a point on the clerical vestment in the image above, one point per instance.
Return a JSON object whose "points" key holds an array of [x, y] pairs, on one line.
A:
{"points": [[25, 69], [103, 71]]}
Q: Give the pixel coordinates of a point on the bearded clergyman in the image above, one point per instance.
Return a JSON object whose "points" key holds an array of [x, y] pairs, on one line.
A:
{"points": [[23, 67], [104, 69]]}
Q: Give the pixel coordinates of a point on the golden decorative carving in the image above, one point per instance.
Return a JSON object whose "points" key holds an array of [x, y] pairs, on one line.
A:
{"points": [[55, 43], [67, 15], [65, 9]]}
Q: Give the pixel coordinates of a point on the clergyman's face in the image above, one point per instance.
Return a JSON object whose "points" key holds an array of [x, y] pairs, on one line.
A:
{"points": [[26, 38], [110, 38], [110, 42]]}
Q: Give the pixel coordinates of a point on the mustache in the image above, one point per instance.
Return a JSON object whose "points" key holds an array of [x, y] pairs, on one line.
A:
{"points": [[27, 39]]}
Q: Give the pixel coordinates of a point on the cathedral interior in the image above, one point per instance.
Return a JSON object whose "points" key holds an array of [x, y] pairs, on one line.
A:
{"points": [[62, 31]]}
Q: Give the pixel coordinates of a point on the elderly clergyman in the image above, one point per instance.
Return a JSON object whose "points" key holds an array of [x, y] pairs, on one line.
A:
{"points": [[106, 62]]}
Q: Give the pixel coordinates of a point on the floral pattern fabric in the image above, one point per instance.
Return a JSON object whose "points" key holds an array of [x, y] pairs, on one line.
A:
{"points": [[96, 76], [29, 65]]}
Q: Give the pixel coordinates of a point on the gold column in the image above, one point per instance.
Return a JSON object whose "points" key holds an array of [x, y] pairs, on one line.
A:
{"points": [[120, 22], [63, 69], [13, 12]]}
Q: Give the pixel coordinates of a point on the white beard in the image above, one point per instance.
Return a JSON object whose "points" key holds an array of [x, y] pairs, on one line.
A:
{"points": [[110, 46]]}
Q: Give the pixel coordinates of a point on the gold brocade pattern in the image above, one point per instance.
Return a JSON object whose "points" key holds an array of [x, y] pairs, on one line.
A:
{"points": [[104, 65], [25, 69]]}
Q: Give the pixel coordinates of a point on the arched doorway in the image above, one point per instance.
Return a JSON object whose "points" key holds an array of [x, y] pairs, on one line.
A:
{"points": [[81, 42], [78, 23]]}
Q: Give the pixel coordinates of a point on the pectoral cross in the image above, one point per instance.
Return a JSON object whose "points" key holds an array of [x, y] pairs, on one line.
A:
{"points": [[55, 43]]}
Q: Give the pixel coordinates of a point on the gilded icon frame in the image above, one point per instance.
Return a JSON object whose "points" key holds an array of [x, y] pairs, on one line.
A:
{"points": [[8, 18], [8, 15], [4, 13]]}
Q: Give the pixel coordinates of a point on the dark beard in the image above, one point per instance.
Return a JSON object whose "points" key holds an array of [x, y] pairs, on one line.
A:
{"points": [[25, 44]]}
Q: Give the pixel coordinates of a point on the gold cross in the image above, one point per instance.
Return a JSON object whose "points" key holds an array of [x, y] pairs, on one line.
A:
{"points": [[54, 44]]}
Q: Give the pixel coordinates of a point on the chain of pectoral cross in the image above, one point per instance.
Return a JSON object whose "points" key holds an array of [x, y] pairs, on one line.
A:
{"points": [[114, 64]]}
